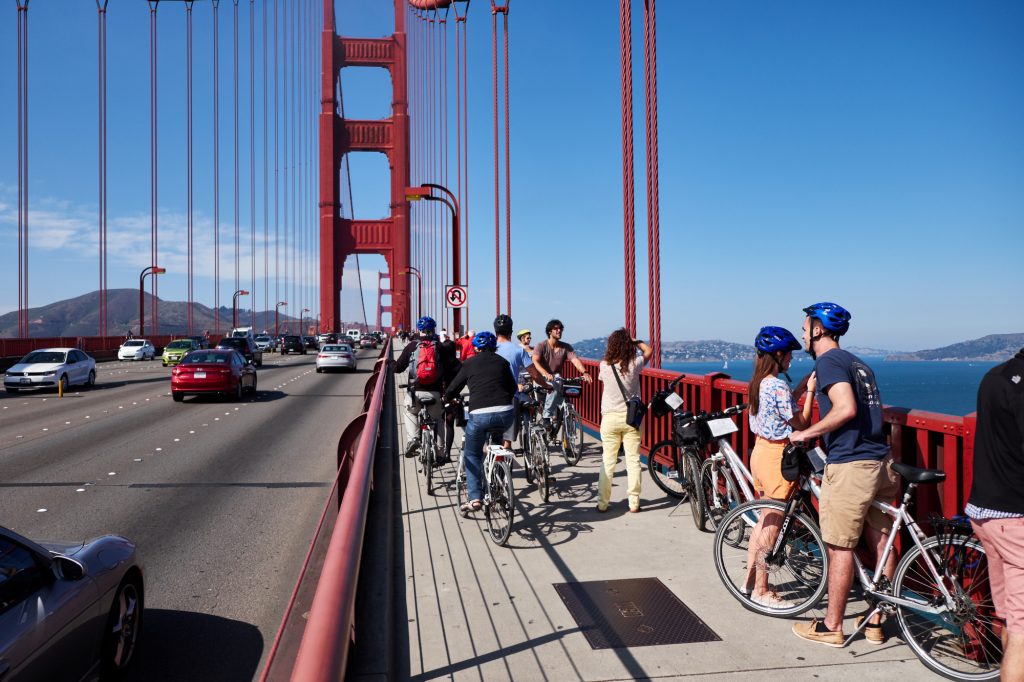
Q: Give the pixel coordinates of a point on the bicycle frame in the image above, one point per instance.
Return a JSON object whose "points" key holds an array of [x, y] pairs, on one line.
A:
{"points": [[745, 480]]}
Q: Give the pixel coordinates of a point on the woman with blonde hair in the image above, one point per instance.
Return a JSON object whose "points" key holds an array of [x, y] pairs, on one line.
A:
{"points": [[620, 372], [773, 417]]}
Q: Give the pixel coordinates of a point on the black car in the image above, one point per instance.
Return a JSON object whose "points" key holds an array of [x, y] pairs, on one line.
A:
{"points": [[244, 345], [292, 344], [202, 343], [311, 342]]}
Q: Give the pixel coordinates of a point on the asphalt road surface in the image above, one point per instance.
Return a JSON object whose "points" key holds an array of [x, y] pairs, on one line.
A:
{"points": [[221, 497]]}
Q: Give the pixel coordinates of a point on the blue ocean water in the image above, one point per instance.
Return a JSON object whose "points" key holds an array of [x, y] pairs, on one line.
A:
{"points": [[944, 387]]}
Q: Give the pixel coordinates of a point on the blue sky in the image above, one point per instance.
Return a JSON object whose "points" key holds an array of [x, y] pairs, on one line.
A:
{"points": [[869, 153]]}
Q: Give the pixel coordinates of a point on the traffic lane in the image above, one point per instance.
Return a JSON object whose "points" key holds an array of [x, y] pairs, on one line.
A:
{"points": [[34, 416], [130, 429], [222, 524]]}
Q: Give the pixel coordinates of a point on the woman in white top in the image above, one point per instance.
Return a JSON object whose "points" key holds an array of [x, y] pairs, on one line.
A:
{"points": [[621, 359]]}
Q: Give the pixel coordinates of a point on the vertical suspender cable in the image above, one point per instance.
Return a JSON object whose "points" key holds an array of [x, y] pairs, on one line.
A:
{"points": [[445, 234], [300, 223], [628, 207], [22, 168], [464, 206], [284, 154], [508, 181], [460, 20], [188, 154], [216, 172], [497, 197], [252, 162], [266, 188], [432, 154], [653, 241], [153, 247], [291, 37], [234, 66], [101, 59], [277, 168]]}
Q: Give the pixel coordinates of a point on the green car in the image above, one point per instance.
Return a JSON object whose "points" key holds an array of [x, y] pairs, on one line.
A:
{"points": [[176, 350]]}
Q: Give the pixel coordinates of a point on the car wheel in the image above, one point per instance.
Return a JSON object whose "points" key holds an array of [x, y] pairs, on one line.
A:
{"points": [[123, 627], [90, 382], [177, 397], [238, 391], [252, 389]]}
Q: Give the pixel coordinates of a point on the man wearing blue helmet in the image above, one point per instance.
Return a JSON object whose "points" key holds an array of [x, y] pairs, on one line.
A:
{"points": [[857, 469], [491, 391], [431, 365]]}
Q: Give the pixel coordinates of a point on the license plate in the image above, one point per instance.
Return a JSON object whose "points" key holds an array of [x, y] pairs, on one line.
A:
{"points": [[200, 375], [26, 380]]}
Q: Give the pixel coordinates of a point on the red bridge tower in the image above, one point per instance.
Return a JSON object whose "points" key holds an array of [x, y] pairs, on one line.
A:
{"points": [[340, 237]]}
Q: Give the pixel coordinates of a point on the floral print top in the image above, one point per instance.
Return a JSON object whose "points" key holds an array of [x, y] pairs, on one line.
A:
{"points": [[776, 408]]}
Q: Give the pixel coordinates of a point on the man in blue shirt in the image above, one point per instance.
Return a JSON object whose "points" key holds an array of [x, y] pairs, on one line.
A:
{"points": [[858, 466], [519, 360]]}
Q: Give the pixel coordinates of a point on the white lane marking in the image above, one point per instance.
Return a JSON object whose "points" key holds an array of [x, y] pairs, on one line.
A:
{"points": [[192, 431], [21, 436], [66, 423], [45, 399], [176, 440], [41, 510], [159, 449], [79, 490], [87, 417], [46, 429], [138, 459], [216, 419], [112, 473]]}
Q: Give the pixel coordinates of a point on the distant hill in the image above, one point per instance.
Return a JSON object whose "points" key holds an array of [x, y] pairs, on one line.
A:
{"points": [[80, 316], [994, 347], [702, 351]]}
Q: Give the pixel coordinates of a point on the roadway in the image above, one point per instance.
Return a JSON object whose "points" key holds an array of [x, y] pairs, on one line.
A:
{"points": [[221, 497]]}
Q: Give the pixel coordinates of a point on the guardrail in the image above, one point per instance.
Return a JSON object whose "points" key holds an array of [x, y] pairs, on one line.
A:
{"points": [[924, 439], [326, 635]]}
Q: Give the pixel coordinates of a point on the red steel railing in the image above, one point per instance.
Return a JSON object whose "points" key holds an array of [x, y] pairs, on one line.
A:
{"points": [[924, 439]]}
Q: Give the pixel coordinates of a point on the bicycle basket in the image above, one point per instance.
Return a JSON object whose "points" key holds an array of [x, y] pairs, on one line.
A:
{"points": [[659, 405], [572, 390]]}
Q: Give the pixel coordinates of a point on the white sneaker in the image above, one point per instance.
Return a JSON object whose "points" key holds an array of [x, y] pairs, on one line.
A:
{"points": [[771, 600]]}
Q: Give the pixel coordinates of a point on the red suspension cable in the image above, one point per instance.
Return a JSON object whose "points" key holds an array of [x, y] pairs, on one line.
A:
{"points": [[188, 146], [444, 155], [497, 198], [153, 246], [266, 196], [252, 162], [277, 170], [508, 182], [216, 171], [653, 240], [101, 10], [22, 168], [234, 65], [464, 205], [628, 205]]}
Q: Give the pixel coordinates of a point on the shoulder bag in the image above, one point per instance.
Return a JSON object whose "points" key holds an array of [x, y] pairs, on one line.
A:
{"points": [[635, 407]]}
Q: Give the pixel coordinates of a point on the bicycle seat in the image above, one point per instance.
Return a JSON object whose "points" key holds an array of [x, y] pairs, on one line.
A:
{"points": [[426, 399], [915, 475]]}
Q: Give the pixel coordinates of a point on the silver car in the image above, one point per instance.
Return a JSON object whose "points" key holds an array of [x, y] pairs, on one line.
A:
{"points": [[266, 343], [68, 610], [336, 356], [50, 368], [136, 349]]}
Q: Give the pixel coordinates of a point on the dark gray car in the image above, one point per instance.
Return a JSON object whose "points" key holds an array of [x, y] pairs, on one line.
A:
{"points": [[68, 609]]}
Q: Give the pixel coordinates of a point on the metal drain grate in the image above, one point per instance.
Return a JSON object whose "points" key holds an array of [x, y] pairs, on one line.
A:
{"points": [[614, 614]]}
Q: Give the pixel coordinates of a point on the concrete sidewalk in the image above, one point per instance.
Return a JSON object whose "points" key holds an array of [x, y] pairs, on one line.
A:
{"points": [[478, 611]]}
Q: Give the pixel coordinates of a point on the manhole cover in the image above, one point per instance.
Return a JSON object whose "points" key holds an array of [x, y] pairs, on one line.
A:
{"points": [[613, 614]]}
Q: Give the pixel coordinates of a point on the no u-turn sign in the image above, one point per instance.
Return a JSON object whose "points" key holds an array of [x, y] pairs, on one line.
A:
{"points": [[455, 296]]}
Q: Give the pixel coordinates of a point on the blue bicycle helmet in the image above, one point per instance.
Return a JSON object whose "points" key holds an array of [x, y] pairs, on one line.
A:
{"points": [[426, 324], [834, 318], [771, 339], [485, 341]]}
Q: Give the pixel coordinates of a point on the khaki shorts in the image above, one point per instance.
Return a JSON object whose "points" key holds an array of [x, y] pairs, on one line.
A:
{"points": [[847, 491], [766, 469]]}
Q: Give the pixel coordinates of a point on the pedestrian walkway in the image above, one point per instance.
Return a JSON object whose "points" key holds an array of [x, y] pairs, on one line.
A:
{"points": [[477, 611]]}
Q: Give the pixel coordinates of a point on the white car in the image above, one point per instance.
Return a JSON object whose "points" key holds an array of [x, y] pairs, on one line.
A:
{"points": [[336, 356], [49, 368], [136, 349]]}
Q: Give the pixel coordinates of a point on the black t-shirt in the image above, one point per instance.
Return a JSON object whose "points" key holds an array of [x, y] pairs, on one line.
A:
{"points": [[490, 382], [999, 439]]}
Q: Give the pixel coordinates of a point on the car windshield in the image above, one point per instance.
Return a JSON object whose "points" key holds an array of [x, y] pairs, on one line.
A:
{"points": [[179, 345], [203, 357], [232, 343], [336, 349], [133, 343], [263, 339], [43, 356]]}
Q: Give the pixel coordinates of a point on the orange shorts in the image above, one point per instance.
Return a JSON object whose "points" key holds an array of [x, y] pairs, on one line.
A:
{"points": [[1003, 540], [766, 469]]}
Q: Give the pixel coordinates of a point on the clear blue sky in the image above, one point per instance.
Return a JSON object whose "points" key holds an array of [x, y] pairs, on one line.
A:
{"points": [[870, 153]]}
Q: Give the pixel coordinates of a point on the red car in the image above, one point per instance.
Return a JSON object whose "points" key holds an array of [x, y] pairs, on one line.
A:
{"points": [[216, 371]]}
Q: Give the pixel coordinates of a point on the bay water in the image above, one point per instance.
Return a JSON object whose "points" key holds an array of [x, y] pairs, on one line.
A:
{"points": [[934, 386]]}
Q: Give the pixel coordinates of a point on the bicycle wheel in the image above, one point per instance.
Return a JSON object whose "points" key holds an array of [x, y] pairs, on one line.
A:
{"points": [[662, 461], [963, 642], [802, 557], [572, 436], [500, 502], [427, 456], [691, 465], [718, 490], [461, 489], [539, 460]]}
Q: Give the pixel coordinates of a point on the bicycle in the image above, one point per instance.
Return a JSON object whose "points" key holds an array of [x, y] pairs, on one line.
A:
{"points": [[430, 452], [939, 590], [567, 419], [725, 481], [498, 493], [675, 463], [536, 455]]}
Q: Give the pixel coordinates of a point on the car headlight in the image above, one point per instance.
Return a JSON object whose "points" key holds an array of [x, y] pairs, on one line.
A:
{"points": [[49, 374]]}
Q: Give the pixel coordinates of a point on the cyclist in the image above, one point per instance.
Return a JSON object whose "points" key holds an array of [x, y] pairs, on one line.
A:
{"points": [[620, 374], [550, 356], [773, 416], [429, 367], [491, 391], [518, 360], [857, 467]]}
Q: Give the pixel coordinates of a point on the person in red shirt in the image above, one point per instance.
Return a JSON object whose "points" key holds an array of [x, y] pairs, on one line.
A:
{"points": [[465, 345]]}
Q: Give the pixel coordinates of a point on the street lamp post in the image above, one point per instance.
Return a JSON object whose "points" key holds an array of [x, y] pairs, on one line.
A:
{"points": [[277, 331], [302, 321], [151, 270], [234, 307], [424, 192], [419, 286]]}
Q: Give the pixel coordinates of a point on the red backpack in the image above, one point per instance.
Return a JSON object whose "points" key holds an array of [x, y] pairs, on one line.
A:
{"points": [[428, 371]]}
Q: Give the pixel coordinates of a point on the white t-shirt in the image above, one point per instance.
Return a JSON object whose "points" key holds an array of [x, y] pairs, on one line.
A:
{"points": [[611, 396]]}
